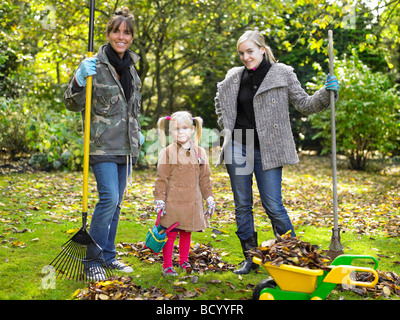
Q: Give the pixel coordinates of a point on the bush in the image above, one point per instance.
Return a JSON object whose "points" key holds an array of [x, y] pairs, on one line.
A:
{"points": [[13, 126], [367, 114], [44, 130], [56, 140]]}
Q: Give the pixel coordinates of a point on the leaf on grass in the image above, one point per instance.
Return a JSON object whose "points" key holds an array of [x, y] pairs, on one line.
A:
{"points": [[231, 285], [214, 281], [19, 244], [72, 231], [194, 279]]}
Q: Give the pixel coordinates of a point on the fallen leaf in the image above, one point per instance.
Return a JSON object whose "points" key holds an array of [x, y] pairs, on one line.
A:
{"points": [[20, 244], [72, 230], [231, 285], [194, 279], [214, 281]]}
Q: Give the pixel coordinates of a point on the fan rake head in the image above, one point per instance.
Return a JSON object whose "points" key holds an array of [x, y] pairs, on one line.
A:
{"points": [[81, 259]]}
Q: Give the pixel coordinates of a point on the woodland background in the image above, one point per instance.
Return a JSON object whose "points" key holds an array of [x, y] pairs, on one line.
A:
{"points": [[186, 47]]}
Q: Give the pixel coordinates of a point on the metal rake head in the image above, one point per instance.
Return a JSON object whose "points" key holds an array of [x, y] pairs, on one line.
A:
{"points": [[81, 259]]}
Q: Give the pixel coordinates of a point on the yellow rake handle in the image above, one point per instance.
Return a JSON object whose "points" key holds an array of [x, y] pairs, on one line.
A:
{"points": [[86, 143], [86, 139]]}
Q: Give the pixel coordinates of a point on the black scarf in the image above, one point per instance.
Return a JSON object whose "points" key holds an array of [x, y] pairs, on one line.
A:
{"points": [[122, 68]]}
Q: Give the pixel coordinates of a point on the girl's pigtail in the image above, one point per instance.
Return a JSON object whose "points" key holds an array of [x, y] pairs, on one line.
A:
{"points": [[199, 125], [161, 130]]}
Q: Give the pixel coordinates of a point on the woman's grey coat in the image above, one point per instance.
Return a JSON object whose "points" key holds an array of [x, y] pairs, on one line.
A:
{"points": [[279, 88]]}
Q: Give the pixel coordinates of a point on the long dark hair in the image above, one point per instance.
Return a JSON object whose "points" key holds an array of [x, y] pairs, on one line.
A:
{"points": [[119, 16]]}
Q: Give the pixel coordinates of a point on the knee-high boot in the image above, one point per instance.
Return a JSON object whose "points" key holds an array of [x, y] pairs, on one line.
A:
{"points": [[248, 264]]}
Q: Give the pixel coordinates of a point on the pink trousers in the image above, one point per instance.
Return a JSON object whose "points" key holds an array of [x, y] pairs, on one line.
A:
{"points": [[184, 247]]}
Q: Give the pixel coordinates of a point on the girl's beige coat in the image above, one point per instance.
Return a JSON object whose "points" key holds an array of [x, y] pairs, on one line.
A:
{"points": [[183, 184]]}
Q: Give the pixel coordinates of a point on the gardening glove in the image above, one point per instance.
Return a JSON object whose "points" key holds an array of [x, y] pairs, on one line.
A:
{"points": [[141, 139], [332, 83], [160, 206], [210, 206], [87, 68]]}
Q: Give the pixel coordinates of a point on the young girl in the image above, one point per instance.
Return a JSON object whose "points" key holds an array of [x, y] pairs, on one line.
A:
{"points": [[182, 182]]}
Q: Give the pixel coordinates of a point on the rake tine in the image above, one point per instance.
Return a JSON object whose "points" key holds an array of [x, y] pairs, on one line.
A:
{"points": [[58, 263], [75, 263], [68, 259], [72, 262], [80, 265]]}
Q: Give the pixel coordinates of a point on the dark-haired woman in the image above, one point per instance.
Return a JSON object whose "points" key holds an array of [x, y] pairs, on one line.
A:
{"points": [[115, 133]]}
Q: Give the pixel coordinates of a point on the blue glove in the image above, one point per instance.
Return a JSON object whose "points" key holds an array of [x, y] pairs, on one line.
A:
{"points": [[87, 68], [141, 138], [332, 83]]}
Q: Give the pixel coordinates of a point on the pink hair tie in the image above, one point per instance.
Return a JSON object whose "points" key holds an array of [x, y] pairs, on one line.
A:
{"points": [[168, 117]]}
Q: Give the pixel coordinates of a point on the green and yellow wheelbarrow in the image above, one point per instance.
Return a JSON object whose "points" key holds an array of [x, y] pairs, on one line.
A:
{"points": [[297, 283]]}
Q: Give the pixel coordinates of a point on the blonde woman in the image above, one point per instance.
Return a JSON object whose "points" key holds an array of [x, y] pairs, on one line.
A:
{"points": [[252, 104], [182, 183]]}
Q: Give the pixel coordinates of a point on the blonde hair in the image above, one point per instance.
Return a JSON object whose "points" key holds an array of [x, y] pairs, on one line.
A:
{"points": [[257, 37], [184, 117]]}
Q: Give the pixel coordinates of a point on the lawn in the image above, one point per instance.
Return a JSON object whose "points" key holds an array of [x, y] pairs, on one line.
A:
{"points": [[39, 211]]}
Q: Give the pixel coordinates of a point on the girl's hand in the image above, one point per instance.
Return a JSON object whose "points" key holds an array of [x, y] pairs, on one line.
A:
{"points": [[210, 206], [160, 206]]}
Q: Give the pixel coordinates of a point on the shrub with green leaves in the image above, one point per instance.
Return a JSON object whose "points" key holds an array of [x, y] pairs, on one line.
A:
{"points": [[55, 138], [13, 126], [44, 130], [367, 114]]}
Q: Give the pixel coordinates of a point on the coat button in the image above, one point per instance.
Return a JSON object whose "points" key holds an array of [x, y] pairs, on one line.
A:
{"points": [[273, 100], [180, 201]]}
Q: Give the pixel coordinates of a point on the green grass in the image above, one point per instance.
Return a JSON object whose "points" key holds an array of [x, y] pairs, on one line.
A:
{"points": [[39, 212]]}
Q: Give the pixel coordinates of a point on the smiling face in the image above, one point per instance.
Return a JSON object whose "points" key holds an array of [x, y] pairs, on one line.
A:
{"points": [[251, 54], [181, 131], [120, 39]]}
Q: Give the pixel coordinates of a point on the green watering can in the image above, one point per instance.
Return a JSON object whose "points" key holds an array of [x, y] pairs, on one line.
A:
{"points": [[157, 236]]}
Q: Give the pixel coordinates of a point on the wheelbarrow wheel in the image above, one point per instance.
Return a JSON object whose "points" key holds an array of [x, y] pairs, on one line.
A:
{"points": [[266, 283]]}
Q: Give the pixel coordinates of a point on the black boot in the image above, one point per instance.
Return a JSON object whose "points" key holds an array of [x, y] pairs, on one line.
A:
{"points": [[248, 264]]}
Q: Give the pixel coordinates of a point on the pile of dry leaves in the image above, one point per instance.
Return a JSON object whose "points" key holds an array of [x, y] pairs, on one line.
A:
{"points": [[388, 284], [292, 251], [122, 288], [201, 257]]}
